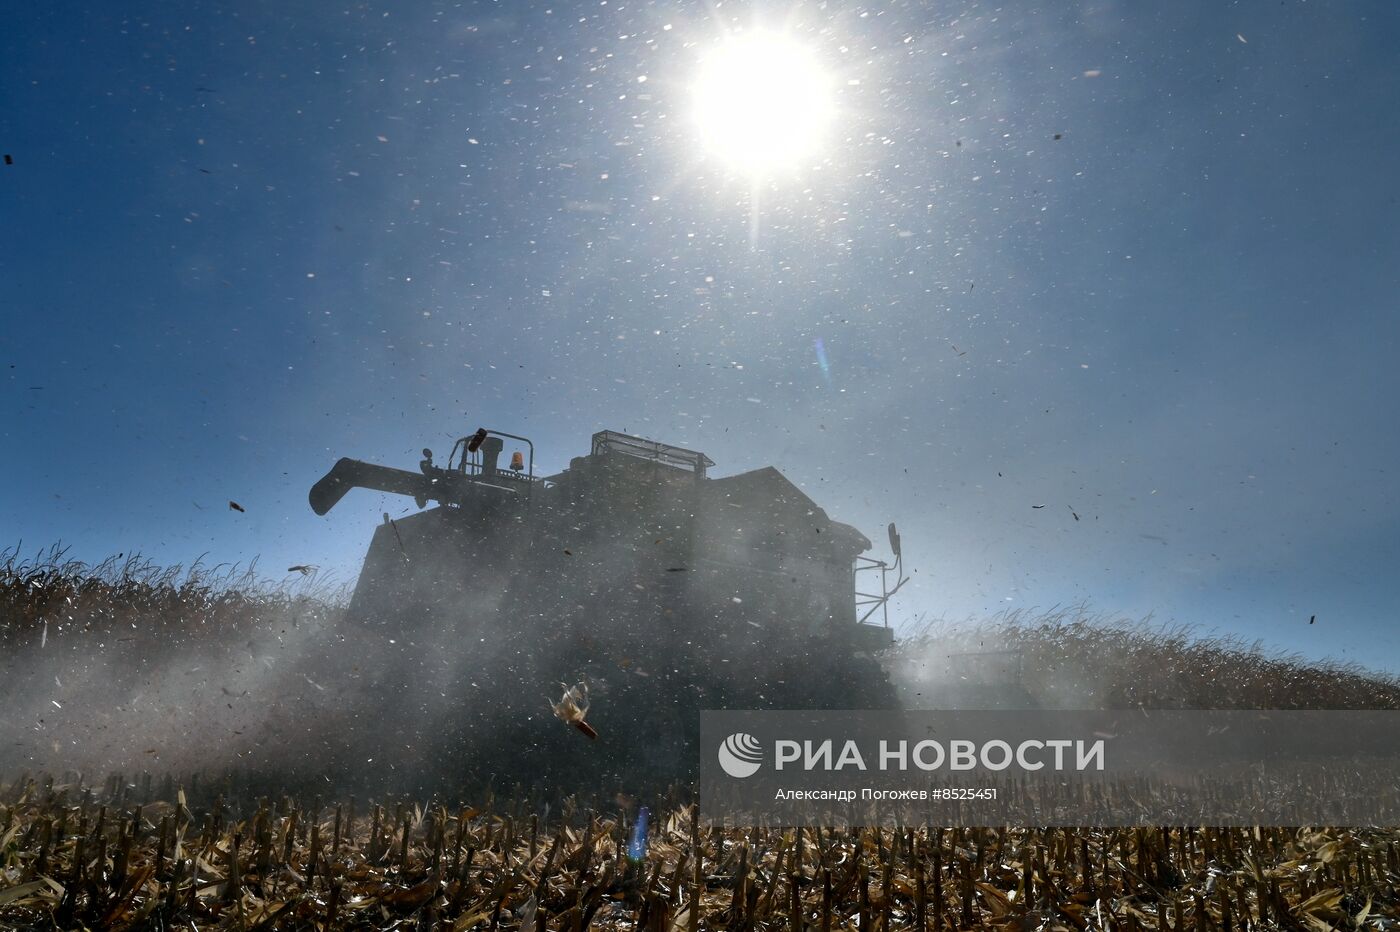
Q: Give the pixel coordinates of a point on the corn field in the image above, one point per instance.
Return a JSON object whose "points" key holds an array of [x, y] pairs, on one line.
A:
{"points": [[181, 852]]}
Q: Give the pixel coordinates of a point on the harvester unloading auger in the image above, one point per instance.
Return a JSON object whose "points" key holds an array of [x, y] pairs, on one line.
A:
{"points": [[663, 589]]}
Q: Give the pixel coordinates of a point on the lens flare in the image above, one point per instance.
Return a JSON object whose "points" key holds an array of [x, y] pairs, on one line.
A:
{"points": [[822, 362]]}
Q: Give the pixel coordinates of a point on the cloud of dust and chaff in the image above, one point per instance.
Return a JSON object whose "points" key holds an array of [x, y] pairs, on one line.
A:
{"points": [[124, 667]]}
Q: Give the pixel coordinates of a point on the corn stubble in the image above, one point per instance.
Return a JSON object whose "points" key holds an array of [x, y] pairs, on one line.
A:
{"points": [[76, 857]]}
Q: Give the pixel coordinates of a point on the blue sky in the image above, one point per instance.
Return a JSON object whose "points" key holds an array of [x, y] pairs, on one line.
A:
{"points": [[240, 242]]}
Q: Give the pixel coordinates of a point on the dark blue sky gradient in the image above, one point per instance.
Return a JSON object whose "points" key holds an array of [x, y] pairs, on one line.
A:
{"points": [[239, 242]]}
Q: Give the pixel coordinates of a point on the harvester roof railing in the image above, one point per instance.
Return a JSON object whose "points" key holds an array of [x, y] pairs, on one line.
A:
{"points": [[611, 441]]}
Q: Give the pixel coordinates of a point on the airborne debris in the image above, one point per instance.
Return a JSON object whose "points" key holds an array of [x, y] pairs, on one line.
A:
{"points": [[305, 569], [573, 706], [1037, 506], [234, 506]]}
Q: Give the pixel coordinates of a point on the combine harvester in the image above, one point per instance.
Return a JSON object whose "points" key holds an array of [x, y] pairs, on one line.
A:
{"points": [[633, 571]]}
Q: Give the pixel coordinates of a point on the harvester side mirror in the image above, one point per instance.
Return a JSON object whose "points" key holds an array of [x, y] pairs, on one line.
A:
{"points": [[475, 442], [894, 540]]}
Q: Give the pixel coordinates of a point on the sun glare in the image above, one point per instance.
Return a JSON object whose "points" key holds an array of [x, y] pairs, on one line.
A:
{"points": [[762, 103]]}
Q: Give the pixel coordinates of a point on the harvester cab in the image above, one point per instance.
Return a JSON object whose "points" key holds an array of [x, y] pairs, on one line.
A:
{"points": [[480, 454]]}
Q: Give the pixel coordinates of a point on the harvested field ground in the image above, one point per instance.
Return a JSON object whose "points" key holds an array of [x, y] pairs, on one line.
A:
{"points": [[74, 858]]}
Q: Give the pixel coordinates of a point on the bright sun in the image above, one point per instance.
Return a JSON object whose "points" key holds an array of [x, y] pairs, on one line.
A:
{"points": [[762, 103]]}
